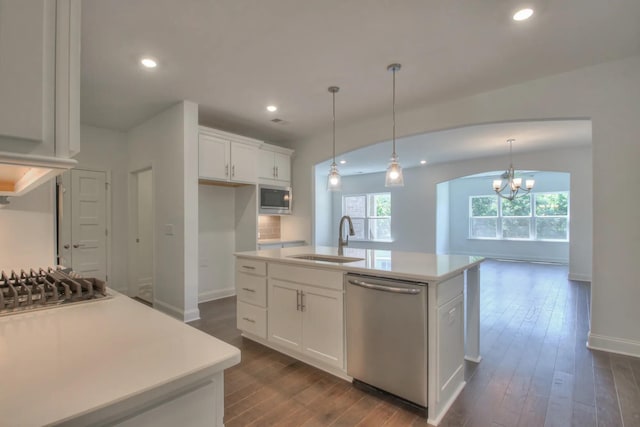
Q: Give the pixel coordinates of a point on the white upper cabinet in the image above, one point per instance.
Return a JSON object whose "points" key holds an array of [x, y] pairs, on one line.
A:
{"points": [[40, 77], [274, 166], [227, 157]]}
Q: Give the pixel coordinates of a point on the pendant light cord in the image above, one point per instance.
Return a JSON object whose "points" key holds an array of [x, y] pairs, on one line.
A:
{"points": [[394, 113], [334, 128]]}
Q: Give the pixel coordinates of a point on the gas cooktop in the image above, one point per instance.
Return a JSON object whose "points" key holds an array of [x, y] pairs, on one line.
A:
{"points": [[45, 288]]}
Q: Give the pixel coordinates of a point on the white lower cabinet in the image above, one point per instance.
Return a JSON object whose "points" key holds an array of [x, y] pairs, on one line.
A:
{"points": [[307, 319], [450, 341]]}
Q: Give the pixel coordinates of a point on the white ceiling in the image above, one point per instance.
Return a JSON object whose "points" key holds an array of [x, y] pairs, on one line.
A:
{"points": [[234, 57], [467, 142]]}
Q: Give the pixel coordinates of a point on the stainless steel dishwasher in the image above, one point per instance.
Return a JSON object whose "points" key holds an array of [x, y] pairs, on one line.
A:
{"points": [[387, 335]]}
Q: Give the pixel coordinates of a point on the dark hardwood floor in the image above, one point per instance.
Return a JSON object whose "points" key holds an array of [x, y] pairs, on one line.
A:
{"points": [[536, 369]]}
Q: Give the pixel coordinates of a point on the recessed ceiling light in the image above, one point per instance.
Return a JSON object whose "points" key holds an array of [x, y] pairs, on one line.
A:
{"points": [[523, 14], [148, 62], [272, 108], [342, 162], [423, 162]]}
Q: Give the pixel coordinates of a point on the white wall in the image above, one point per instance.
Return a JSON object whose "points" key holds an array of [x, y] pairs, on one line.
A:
{"points": [[443, 218], [106, 150], [462, 189], [608, 94], [27, 230], [168, 143], [217, 241]]}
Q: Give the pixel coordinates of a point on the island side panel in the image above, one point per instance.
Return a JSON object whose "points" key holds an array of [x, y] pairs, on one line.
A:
{"points": [[472, 304]]}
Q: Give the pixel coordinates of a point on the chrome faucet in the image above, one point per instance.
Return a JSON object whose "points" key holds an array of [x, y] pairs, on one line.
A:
{"points": [[341, 241]]}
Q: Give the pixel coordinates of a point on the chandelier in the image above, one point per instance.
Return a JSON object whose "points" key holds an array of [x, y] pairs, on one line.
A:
{"points": [[508, 187]]}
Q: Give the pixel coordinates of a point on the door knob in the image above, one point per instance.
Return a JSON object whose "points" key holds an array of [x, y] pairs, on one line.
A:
{"points": [[78, 245], [66, 246]]}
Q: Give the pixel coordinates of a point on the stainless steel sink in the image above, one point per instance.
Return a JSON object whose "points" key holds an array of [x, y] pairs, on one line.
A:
{"points": [[326, 258]]}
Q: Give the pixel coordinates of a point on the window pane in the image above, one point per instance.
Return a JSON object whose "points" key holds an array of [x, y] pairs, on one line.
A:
{"points": [[380, 229], [551, 228], [515, 228], [520, 206], [552, 204], [354, 206], [484, 227], [380, 204], [484, 206], [358, 227]]}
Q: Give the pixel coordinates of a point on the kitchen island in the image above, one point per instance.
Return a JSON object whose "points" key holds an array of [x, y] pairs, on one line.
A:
{"points": [[292, 300], [110, 362]]}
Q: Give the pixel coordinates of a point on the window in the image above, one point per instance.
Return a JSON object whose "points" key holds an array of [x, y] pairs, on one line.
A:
{"points": [[539, 216], [371, 215]]}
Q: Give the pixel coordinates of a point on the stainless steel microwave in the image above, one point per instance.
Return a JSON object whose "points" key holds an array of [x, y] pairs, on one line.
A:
{"points": [[275, 200]]}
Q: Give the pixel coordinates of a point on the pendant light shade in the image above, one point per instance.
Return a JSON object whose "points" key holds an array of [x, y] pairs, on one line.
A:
{"points": [[334, 181], [394, 177]]}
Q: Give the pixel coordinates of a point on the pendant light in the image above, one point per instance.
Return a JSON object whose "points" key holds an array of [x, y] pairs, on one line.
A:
{"points": [[334, 182], [394, 176]]}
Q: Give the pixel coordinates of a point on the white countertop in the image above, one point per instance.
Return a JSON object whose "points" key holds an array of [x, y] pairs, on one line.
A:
{"points": [[60, 363], [417, 266]]}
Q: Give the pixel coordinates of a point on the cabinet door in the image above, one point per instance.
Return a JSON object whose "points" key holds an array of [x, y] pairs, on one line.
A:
{"points": [[283, 167], [213, 158], [322, 325], [244, 162], [284, 320], [450, 341], [27, 67], [266, 165]]}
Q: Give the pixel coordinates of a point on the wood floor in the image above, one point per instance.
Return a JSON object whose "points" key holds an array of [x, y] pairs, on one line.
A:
{"points": [[536, 369]]}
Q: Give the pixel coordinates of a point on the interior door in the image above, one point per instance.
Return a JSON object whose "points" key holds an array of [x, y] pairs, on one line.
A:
{"points": [[144, 237], [82, 222]]}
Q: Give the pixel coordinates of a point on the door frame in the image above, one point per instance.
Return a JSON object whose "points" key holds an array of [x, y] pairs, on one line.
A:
{"points": [[61, 189], [132, 286]]}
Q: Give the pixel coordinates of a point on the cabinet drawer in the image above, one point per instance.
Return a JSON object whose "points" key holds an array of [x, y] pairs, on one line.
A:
{"points": [[449, 289], [307, 275], [251, 289], [251, 266], [252, 319]]}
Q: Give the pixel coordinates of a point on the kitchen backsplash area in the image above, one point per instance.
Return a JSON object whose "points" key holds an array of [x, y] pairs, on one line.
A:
{"points": [[268, 227]]}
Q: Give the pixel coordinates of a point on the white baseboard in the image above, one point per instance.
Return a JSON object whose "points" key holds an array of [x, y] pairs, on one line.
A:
{"points": [[216, 294], [340, 373], [580, 277], [445, 408], [178, 313], [614, 345]]}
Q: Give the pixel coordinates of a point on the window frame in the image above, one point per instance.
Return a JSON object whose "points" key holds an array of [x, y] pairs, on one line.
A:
{"points": [[367, 217], [532, 218]]}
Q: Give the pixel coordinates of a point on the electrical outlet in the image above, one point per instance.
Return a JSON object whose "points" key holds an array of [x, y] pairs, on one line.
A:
{"points": [[168, 229]]}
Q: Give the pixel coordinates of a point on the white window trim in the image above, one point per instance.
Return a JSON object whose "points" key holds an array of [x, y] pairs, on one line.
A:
{"points": [[366, 218], [532, 219]]}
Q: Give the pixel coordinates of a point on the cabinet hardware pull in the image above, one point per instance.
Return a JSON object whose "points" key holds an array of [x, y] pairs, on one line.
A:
{"points": [[248, 267], [226, 170], [249, 320], [233, 171], [302, 306], [384, 288], [297, 300], [276, 171], [248, 289]]}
